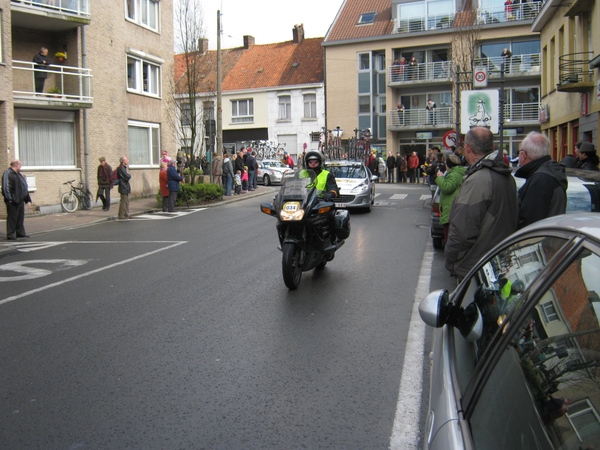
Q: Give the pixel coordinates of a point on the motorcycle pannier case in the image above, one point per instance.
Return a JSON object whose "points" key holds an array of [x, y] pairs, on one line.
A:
{"points": [[342, 223]]}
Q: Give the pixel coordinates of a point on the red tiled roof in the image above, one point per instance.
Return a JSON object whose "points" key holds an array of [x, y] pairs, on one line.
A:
{"points": [[346, 25], [260, 66], [282, 64]]}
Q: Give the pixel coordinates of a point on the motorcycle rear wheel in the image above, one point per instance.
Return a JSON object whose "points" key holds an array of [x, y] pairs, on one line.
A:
{"points": [[290, 265]]}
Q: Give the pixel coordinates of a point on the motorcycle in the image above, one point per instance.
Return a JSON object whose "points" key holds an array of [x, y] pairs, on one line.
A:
{"points": [[310, 229]]}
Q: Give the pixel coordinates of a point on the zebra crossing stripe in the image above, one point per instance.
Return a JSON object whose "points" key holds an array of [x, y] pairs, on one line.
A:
{"points": [[425, 197], [398, 197]]}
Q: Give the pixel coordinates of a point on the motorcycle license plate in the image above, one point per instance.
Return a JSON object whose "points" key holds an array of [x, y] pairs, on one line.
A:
{"points": [[291, 206], [340, 205]]}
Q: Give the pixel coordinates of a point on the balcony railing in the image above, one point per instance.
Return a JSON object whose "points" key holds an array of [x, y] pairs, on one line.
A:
{"points": [[73, 83], [527, 64], [575, 73], [74, 7], [423, 23], [433, 71], [522, 112], [420, 118]]}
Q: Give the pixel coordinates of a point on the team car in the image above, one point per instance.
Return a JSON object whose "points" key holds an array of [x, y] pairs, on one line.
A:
{"points": [[270, 171], [356, 183]]}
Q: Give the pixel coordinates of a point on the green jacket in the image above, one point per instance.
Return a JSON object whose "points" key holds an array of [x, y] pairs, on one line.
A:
{"points": [[449, 185]]}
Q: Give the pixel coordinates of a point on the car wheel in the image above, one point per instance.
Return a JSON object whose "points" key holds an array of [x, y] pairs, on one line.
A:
{"points": [[267, 180], [438, 243]]}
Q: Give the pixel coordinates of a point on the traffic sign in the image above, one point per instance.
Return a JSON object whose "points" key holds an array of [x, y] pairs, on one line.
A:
{"points": [[449, 139], [480, 77]]}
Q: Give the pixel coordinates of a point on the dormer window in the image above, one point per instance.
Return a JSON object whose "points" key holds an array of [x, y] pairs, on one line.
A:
{"points": [[367, 18]]}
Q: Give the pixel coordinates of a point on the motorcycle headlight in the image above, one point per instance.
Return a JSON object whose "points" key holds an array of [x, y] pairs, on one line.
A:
{"points": [[291, 211], [362, 187]]}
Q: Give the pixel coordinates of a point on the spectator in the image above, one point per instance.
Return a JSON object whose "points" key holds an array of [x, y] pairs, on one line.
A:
{"points": [[413, 164], [382, 168], [374, 164], [238, 163], [413, 68], [165, 157], [434, 168], [391, 164], [252, 166], [237, 181], [506, 65], [124, 188], [290, 161], [105, 183], [227, 174], [400, 110], [173, 180], [485, 209], [570, 161], [16, 195], [164, 188], [449, 184], [586, 153], [544, 193], [403, 168], [245, 180], [40, 69], [431, 111], [217, 169]]}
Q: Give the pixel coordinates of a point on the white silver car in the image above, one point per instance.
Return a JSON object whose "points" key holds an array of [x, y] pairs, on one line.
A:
{"points": [[516, 353], [270, 171], [356, 183]]}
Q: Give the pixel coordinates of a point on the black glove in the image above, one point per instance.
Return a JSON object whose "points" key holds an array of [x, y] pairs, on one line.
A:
{"points": [[328, 197]]}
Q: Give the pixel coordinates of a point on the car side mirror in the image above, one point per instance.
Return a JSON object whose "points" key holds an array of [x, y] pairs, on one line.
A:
{"points": [[435, 308]]}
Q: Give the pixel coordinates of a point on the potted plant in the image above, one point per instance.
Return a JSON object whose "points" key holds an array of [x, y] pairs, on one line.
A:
{"points": [[61, 56], [54, 92]]}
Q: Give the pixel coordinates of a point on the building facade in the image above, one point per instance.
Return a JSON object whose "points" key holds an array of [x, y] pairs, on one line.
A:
{"points": [[570, 43], [386, 59], [103, 91]]}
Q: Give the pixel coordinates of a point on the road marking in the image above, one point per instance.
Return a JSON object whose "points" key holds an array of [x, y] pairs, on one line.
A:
{"points": [[92, 272], [165, 215], [33, 246], [36, 272], [405, 432], [398, 197], [425, 197]]}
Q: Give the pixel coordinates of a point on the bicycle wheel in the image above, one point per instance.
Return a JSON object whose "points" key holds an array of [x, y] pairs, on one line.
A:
{"points": [[87, 201], [69, 202]]}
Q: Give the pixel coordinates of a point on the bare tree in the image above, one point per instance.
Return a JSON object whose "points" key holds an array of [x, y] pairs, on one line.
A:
{"points": [[188, 114]]}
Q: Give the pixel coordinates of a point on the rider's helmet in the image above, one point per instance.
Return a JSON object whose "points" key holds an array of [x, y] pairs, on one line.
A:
{"points": [[311, 156]]}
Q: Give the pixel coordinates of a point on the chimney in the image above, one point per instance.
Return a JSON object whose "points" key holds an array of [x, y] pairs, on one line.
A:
{"points": [[248, 42], [298, 33], [203, 45]]}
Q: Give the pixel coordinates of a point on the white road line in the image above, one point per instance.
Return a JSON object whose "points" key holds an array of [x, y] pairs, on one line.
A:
{"points": [[425, 197], [92, 272], [398, 197], [405, 432], [165, 215]]}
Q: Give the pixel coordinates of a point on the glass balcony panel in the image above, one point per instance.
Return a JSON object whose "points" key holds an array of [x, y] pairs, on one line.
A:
{"points": [[432, 71], [420, 117], [521, 112], [72, 7]]}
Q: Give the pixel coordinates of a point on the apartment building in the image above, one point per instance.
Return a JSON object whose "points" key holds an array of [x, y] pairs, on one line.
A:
{"points": [[570, 93], [103, 94], [272, 92], [368, 75]]}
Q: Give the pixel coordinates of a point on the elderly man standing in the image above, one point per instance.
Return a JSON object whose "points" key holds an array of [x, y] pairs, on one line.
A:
{"points": [[544, 193], [124, 188], [16, 194], [485, 209]]}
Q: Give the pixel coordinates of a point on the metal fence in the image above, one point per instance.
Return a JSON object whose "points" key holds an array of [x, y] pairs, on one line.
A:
{"points": [[431, 71]]}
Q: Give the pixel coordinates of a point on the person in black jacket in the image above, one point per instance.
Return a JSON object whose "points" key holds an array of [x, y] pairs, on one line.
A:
{"points": [[40, 69], [16, 194], [586, 153], [391, 166], [544, 193], [124, 188]]}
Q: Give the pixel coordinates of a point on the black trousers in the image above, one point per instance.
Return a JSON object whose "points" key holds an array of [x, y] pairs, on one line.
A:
{"points": [[15, 221], [104, 195], [39, 84]]}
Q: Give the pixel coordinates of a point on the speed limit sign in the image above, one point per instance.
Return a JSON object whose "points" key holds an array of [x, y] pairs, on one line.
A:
{"points": [[480, 77]]}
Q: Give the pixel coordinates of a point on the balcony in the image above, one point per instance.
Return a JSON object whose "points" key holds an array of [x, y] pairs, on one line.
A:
{"points": [[50, 15], [420, 119], [433, 72], [73, 86], [517, 66], [422, 23], [501, 14], [575, 73], [522, 114]]}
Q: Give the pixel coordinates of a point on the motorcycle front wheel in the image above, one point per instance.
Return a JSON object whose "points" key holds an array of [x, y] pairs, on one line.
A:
{"points": [[290, 264]]}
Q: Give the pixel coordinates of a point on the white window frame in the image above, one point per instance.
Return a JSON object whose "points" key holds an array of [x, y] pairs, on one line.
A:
{"points": [[590, 411], [310, 105], [135, 84], [153, 150], [140, 13], [285, 107], [236, 117]]}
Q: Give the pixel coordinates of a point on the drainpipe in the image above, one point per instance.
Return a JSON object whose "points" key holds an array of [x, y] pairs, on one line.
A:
{"points": [[85, 89]]}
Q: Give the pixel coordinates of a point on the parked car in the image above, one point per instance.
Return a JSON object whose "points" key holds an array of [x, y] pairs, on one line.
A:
{"points": [[583, 195], [516, 353], [356, 183], [270, 171]]}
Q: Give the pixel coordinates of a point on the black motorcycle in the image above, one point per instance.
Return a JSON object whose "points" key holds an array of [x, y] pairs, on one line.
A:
{"points": [[310, 229]]}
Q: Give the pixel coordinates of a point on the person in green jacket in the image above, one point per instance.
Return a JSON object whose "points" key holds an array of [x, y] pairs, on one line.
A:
{"points": [[449, 184]]}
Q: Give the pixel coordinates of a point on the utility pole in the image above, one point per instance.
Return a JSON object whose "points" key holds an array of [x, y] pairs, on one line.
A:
{"points": [[219, 148]]}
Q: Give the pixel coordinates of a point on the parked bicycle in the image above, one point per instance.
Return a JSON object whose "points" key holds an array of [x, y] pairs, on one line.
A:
{"points": [[76, 197]]}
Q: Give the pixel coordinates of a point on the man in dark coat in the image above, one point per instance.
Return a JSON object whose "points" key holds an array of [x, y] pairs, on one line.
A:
{"points": [[544, 193], [105, 183], [391, 165], [16, 194], [173, 180], [124, 188], [40, 69], [586, 153]]}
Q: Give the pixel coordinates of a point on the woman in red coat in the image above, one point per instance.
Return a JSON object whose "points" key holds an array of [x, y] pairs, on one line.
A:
{"points": [[164, 190]]}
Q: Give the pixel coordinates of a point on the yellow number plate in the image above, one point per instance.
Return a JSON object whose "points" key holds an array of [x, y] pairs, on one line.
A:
{"points": [[291, 207]]}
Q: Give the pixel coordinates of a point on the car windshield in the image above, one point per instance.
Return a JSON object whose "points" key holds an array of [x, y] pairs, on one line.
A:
{"points": [[348, 171], [274, 164]]}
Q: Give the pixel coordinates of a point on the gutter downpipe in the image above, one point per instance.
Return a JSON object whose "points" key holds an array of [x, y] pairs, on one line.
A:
{"points": [[85, 88]]}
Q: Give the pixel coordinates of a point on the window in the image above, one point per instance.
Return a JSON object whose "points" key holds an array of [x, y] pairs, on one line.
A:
{"points": [[144, 144], [143, 77], [584, 419], [367, 18], [242, 111], [285, 107], [46, 139], [143, 12], [310, 106], [185, 110], [548, 312]]}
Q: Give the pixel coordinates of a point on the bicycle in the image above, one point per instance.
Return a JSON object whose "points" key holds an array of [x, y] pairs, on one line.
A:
{"points": [[76, 196]]}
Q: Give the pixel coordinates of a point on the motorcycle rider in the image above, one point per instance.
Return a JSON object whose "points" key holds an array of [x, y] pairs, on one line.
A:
{"points": [[325, 181]]}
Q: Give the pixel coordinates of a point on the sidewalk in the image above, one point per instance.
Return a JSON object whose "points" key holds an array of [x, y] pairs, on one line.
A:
{"points": [[36, 223]]}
